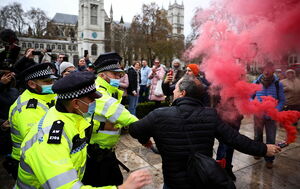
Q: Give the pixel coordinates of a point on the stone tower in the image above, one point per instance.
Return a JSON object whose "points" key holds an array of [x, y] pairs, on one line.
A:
{"points": [[91, 28], [176, 18]]}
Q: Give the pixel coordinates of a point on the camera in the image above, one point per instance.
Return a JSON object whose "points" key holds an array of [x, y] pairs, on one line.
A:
{"points": [[36, 52]]}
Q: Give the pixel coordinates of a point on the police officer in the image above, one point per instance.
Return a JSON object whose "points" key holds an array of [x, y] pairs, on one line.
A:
{"points": [[54, 151], [110, 116], [29, 108]]}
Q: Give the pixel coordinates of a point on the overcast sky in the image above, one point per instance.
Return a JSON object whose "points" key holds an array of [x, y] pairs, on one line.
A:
{"points": [[125, 8]]}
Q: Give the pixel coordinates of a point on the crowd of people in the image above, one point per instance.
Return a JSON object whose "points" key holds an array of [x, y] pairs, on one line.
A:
{"points": [[64, 120]]}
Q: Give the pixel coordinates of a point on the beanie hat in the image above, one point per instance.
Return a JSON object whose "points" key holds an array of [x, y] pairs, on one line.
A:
{"points": [[64, 65], [194, 68]]}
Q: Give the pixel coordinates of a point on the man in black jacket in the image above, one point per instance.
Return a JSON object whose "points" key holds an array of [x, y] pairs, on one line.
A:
{"points": [[166, 126]]}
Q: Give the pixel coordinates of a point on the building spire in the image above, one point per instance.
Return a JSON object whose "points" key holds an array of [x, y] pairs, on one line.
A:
{"points": [[121, 21], [111, 13]]}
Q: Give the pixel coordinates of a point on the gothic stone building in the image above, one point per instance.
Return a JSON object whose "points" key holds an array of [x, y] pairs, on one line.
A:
{"points": [[91, 30]]}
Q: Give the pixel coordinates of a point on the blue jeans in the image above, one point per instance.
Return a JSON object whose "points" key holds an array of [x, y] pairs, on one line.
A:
{"points": [[259, 124], [132, 104], [225, 151], [144, 93]]}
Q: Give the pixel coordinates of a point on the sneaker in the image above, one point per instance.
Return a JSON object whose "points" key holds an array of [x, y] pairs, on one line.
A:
{"points": [[257, 157], [230, 174], [269, 164]]}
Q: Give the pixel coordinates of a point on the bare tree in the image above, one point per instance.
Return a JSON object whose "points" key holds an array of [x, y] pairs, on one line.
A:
{"points": [[151, 34], [38, 21], [12, 16]]}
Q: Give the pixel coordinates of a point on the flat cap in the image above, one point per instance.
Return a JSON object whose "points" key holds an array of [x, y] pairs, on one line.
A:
{"points": [[38, 71], [76, 85], [108, 62]]}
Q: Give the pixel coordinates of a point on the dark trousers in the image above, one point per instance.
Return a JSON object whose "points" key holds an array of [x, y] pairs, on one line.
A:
{"points": [[102, 170], [259, 124], [144, 93], [11, 165], [225, 151]]}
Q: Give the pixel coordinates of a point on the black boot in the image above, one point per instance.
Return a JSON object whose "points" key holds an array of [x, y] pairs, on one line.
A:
{"points": [[230, 173]]}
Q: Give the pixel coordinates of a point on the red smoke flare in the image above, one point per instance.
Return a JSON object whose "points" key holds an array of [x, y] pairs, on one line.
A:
{"points": [[234, 33]]}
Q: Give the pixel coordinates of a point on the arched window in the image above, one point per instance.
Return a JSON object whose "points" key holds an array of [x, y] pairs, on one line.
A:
{"points": [[94, 49]]}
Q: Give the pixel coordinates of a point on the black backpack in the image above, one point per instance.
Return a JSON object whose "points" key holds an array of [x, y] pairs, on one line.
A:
{"points": [[205, 172]]}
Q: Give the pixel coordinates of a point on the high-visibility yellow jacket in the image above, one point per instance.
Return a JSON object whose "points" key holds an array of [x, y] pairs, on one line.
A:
{"points": [[25, 112], [46, 164], [109, 109]]}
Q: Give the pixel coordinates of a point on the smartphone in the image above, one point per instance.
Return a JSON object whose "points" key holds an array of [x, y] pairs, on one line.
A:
{"points": [[282, 144], [171, 72], [86, 52], [36, 52]]}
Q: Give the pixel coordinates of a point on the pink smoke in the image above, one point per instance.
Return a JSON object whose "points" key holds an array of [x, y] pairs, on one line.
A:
{"points": [[234, 33]]}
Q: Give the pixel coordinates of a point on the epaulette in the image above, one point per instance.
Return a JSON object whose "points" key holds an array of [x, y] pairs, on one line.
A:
{"points": [[32, 103], [56, 132]]}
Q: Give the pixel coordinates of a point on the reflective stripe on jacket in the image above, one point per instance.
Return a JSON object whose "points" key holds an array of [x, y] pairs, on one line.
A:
{"points": [[109, 109], [22, 118], [44, 165]]}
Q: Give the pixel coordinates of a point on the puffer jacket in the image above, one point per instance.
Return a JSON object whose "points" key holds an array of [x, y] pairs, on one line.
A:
{"points": [[167, 125]]}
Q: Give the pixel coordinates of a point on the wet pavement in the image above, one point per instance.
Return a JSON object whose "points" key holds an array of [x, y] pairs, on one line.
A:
{"points": [[250, 173]]}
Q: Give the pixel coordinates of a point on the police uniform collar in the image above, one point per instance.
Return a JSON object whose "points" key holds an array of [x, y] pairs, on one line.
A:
{"points": [[44, 97], [81, 123]]}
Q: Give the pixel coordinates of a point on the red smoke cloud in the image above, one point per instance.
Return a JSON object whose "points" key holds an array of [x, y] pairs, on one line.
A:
{"points": [[234, 33]]}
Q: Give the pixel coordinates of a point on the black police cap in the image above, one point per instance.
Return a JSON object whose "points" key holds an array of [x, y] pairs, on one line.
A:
{"points": [[108, 62], [76, 85], [38, 71]]}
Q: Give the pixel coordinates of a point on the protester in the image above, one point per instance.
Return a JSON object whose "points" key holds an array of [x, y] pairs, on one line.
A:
{"points": [[124, 83], [82, 65], [156, 75], [229, 115], [91, 68], [291, 87], [172, 77], [66, 68], [271, 86], [145, 82], [134, 86], [8, 94], [168, 127], [56, 64]]}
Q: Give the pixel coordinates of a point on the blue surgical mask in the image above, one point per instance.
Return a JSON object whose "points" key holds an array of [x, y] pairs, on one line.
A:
{"points": [[91, 109], [47, 89], [114, 82]]}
